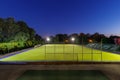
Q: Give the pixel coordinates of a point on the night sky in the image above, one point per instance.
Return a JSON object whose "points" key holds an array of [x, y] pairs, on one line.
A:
{"points": [[49, 17]]}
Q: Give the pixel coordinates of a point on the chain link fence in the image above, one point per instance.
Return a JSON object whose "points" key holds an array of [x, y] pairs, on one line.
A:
{"points": [[70, 52]]}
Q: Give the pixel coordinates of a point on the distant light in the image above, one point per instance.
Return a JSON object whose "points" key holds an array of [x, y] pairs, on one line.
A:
{"points": [[73, 39], [90, 40], [47, 39], [66, 41]]}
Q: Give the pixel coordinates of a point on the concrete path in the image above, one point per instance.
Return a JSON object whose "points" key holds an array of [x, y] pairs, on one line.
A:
{"points": [[14, 53], [12, 72]]}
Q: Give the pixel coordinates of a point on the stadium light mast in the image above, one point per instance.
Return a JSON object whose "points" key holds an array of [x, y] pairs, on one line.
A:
{"points": [[91, 41], [47, 40], [101, 47], [73, 40]]}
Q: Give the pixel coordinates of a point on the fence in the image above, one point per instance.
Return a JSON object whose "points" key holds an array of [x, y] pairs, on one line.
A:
{"points": [[70, 52]]}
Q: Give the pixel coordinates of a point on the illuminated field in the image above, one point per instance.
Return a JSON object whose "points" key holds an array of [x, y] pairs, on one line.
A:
{"points": [[63, 52]]}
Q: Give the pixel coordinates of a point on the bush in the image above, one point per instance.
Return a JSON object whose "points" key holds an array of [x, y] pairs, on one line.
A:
{"points": [[11, 47], [118, 49]]}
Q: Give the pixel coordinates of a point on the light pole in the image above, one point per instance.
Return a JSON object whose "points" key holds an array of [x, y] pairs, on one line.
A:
{"points": [[101, 49], [47, 41], [73, 40], [91, 41], [82, 48]]}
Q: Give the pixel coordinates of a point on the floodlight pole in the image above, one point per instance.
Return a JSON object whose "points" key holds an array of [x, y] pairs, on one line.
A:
{"points": [[82, 48], [47, 41], [64, 51], [45, 50], [92, 53], [101, 49], [73, 50], [63, 48], [73, 39], [54, 49]]}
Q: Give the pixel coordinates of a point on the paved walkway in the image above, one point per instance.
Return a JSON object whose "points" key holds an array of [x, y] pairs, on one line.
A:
{"points": [[14, 53], [12, 72]]}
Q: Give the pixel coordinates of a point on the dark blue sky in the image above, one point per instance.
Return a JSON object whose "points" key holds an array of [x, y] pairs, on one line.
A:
{"points": [[49, 17]]}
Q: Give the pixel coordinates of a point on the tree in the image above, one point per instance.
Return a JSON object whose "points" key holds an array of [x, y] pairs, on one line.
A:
{"points": [[38, 39], [111, 39], [82, 38], [60, 38], [76, 36], [11, 30], [97, 37]]}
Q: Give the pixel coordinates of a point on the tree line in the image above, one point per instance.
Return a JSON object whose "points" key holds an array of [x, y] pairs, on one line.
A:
{"points": [[17, 35], [83, 38], [16, 31]]}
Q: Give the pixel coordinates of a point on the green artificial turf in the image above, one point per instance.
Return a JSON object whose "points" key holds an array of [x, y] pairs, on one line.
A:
{"points": [[63, 75], [64, 52]]}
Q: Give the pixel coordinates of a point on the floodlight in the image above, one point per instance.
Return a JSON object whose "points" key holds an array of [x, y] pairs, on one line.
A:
{"points": [[90, 40], [73, 39], [47, 39]]}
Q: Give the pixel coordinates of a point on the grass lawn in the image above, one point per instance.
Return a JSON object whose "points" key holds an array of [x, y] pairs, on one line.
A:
{"points": [[63, 75], [64, 52]]}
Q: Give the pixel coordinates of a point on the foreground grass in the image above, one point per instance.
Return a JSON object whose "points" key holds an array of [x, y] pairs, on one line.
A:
{"points": [[63, 52]]}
